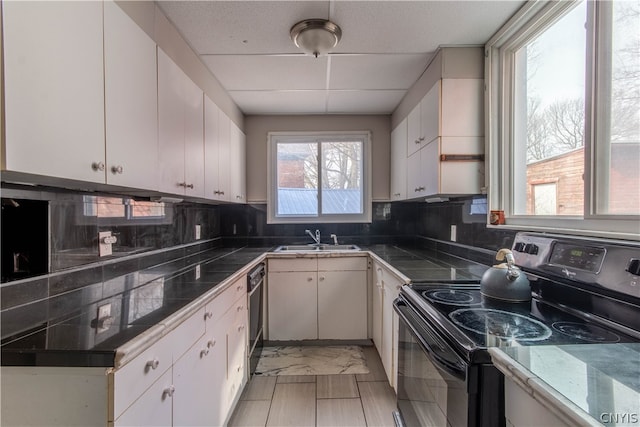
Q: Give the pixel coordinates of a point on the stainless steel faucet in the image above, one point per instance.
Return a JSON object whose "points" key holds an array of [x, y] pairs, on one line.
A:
{"points": [[335, 239], [315, 238]]}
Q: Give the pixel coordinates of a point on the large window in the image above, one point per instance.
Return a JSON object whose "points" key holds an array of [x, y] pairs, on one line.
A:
{"points": [[319, 178], [564, 117]]}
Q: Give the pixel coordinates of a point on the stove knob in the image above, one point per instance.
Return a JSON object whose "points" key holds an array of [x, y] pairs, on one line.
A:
{"points": [[519, 247], [634, 266], [531, 249]]}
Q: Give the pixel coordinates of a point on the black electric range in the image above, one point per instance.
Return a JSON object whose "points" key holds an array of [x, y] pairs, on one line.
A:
{"points": [[583, 292]]}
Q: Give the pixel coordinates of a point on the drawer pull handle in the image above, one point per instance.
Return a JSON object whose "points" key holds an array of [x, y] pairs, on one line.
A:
{"points": [[97, 166], [240, 308], [204, 352], [168, 392], [321, 278], [211, 343], [117, 169], [153, 364], [208, 315], [239, 288], [238, 369], [240, 328], [309, 279]]}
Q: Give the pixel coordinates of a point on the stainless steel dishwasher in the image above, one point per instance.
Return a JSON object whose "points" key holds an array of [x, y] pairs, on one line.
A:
{"points": [[255, 279]]}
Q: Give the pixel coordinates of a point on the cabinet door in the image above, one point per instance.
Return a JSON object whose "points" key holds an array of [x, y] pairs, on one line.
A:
{"points": [[377, 307], [237, 350], [462, 107], [171, 129], [399, 162], [413, 131], [54, 89], [131, 101], [153, 408], [224, 156], [430, 167], [193, 139], [198, 377], [389, 354], [342, 305], [293, 295], [211, 142], [430, 113], [237, 162], [415, 183]]}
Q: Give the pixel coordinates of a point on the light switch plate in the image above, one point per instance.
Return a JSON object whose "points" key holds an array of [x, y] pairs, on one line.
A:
{"points": [[454, 233], [198, 272], [198, 228], [104, 248]]}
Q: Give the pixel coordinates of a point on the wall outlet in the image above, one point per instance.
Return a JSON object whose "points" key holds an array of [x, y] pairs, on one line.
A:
{"points": [[104, 318], [198, 230], [198, 272], [453, 233]]}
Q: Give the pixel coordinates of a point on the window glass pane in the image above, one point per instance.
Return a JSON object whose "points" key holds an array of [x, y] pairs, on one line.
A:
{"points": [[297, 175], [342, 177], [544, 199], [549, 112], [620, 163]]}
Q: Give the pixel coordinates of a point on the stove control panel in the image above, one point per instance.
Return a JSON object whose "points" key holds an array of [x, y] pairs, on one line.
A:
{"points": [[614, 265]]}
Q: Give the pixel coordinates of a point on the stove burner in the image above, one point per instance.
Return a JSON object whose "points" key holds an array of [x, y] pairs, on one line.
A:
{"points": [[586, 332], [500, 324], [452, 297]]}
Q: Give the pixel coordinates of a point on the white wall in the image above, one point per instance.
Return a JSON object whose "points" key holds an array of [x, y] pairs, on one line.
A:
{"points": [[257, 127]]}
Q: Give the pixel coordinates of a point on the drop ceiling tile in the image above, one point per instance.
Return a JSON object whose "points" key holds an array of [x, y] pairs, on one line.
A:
{"points": [[376, 71], [363, 101], [280, 102], [263, 72], [241, 27]]}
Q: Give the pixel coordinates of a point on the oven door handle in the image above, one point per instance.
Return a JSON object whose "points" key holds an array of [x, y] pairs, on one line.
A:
{"points": [[455, 368]]}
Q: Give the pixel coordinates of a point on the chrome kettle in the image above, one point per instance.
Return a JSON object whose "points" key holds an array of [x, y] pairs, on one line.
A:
{"points": [[505, 281]]}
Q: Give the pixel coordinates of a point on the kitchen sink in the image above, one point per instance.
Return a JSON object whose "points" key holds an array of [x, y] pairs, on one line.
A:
{"points": [[316, 248]]}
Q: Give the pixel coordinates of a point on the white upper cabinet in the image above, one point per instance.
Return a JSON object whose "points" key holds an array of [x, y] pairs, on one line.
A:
{"points": [[131, 102], [398, 162], [180, 130], [54, 89], [237, 154], [216, 152]]}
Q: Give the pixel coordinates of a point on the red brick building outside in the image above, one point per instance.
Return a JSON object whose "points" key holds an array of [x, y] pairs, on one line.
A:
{"points": [[565, 173]]}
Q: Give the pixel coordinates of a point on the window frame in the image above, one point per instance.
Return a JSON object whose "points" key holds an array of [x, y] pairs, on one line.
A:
{"points": [[532, 19], [273, 138]]}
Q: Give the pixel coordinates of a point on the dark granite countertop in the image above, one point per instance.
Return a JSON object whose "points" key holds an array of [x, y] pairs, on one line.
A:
{"points": [[65, 325]]}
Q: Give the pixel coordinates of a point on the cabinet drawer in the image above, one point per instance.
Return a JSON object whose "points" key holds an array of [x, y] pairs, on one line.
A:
{"points": [[130, 381], [293, 264], [343, 264], [220, 304], [153, 408]]}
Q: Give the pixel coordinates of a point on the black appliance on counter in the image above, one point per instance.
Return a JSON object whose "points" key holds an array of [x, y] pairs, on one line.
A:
{"points": [[255, 279], [585, 291]]}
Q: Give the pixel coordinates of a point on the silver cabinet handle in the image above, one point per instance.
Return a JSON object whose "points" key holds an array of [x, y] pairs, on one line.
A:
{"points": [[97, 166], [239, 288], [240, 328], [396, 194], [240, 307], [211, 343], [309, 279], [204, 352], [421, 139], [321, 278], [417, 141], [153, 364], [168, 392], [190, 186], [117, 169], [182, 184], [208, 315]]}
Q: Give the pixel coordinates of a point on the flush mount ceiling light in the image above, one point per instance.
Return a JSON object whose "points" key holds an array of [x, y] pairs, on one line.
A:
{"points": [[315, 36]]}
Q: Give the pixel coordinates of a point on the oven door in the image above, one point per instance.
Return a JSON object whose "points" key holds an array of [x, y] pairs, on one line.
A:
{"points": [[432, 378]]}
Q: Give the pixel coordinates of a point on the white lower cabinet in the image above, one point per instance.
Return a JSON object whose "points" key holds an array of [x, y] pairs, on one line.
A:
{"points": [[327, 297], [293, 305], [153, 408], [386, 288]]}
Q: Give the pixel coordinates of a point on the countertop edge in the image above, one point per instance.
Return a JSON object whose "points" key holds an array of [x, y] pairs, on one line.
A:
{"points": [[542, 392]]}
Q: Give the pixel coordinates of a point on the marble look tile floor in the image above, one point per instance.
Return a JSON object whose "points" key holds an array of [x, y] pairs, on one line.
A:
{"points": [[312, 360], [343, 400]]}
